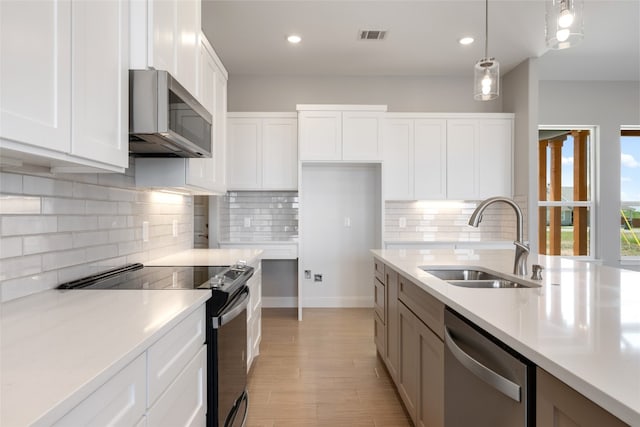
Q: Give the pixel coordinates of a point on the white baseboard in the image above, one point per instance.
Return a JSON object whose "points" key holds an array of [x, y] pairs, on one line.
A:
{"points": [[279, 302]]}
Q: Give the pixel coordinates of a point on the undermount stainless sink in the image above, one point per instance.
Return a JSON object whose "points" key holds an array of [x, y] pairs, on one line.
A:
{"points": [[472, 278]]}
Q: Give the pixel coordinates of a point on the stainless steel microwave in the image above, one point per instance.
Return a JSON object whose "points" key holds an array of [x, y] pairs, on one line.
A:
{"points": [[165, 120]]}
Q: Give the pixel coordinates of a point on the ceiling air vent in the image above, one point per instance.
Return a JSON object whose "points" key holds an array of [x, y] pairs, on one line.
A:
{"points": [[372, 34]]}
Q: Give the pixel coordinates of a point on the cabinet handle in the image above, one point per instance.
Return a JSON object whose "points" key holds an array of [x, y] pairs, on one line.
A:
{"points": [[495, 380]]}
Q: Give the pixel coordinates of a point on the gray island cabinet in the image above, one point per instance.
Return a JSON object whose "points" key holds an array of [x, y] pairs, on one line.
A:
{"points": [[409, 334]]}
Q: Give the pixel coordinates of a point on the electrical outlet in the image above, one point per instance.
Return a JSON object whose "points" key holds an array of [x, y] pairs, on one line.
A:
{"points": [[247, 222], [347, 222], [174, 228], [317, 277], [307, 274], [402, 222], [145, 231]]}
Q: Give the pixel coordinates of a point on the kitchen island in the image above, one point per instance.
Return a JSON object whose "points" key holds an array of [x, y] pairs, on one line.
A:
{"points": [[580, 325]]}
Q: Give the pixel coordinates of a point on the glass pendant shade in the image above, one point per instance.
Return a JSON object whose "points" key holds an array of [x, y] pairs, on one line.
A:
{"points": [[564, 23], [486, 79]]}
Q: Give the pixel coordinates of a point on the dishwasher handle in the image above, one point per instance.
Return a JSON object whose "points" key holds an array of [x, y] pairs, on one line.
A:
{"points": [[495, 380]]}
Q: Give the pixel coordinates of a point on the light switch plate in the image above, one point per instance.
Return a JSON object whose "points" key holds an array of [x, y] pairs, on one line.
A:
{"points": [[402, 222], [145, 231]]}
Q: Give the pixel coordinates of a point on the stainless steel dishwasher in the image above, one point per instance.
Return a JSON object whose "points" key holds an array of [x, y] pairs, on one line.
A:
{"points": [[487, 384]]}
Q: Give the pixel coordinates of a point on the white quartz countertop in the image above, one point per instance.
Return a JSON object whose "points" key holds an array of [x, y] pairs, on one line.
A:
{"points": [[57, 347], [208, 257], [582, 325]]}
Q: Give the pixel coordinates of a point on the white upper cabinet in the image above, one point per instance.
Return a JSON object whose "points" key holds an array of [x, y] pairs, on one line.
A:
{"points": [[35, 42], [462, 159], [262, 151], [100, 71], [165, 36], [440, 157], [429, 157], [65, 83], [495, 158], [320, 135], [361, 135], [340, 132]]}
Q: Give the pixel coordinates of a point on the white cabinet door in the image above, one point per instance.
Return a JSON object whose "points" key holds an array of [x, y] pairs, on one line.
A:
{"points": [[462, 155], [183, 403], [244, 153], [430, 159], [361, 135], [220, 132], [495, 158], [187, 43], [320, 135], [121, 401], [35, 41], [162, 15], [279, 154], [100, 84], [398, 159]]}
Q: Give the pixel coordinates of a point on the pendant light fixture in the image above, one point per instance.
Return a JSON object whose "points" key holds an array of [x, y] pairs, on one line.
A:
{"points": [[486, 73], [564, 23]]}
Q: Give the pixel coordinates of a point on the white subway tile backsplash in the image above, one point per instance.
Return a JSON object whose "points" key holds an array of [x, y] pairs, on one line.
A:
{"points": [[10, 183], [58, 206], [47, 243], [20, 205], [90, 238], [10, 247], [446, 221], [84, 223], [271, 215], [11, 268], [96, 253], [101, 208], [28, 224], [55, 260], [16, 288], [77, 223], [47, 186]]}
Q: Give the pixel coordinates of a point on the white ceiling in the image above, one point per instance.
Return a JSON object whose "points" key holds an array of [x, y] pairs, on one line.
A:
{"points": [[422, 39]]}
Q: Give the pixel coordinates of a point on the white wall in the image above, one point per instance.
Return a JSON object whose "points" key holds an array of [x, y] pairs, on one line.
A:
{"points": [[422, 94], [608, 105], [329, 194]]}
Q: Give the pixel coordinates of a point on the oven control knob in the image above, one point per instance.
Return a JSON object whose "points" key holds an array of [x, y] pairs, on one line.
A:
{"points": [[217, 282]]}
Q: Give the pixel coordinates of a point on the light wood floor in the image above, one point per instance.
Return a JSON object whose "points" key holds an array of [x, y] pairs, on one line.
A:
{"points": [[322, 371]]}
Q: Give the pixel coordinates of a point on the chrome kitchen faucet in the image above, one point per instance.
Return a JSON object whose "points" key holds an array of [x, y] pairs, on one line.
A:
{"points": [[522, 249]]}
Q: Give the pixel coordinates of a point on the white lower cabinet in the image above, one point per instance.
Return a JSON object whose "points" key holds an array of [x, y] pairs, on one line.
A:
{"points": [[121, 401], [166, 385], [184, 402], [254, 314]]}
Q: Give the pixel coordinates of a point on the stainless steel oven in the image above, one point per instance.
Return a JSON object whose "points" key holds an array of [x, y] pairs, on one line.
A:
{"points": [[230, 400]]}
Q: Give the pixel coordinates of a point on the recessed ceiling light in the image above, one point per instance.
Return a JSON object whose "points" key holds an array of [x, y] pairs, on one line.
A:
{"points": [[294, 39], [466, 40]]}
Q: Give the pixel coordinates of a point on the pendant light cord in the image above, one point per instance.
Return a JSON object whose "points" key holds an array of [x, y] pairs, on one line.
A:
{"points": [[486, 29]]}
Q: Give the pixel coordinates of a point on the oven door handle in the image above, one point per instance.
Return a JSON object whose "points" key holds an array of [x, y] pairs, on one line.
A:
{"points": [[234, 310], [495, 380]]}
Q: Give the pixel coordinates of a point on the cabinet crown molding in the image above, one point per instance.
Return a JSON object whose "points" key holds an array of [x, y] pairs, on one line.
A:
{"points": [[340, 107]]}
